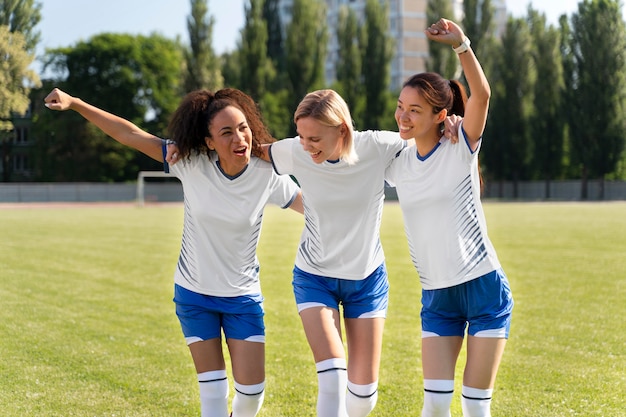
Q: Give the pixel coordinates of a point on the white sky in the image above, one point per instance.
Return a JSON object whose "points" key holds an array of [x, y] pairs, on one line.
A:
{"points": [[65, 22]]}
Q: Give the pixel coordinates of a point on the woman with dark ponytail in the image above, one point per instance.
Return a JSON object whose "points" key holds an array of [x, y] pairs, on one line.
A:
{"points": [[438, 183]]}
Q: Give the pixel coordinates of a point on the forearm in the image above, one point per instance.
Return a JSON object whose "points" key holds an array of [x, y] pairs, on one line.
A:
{"points": [[475, 76], [122, 130]]}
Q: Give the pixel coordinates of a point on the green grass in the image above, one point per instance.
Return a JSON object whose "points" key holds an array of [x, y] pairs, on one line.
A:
{"points": [[88, 326]]}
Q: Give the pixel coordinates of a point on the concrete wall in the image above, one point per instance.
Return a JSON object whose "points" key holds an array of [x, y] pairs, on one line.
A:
{"points": [[88, 192], [172, 191]]}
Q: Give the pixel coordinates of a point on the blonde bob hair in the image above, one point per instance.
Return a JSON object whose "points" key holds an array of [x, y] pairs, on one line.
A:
{"points": [[330, 109]]}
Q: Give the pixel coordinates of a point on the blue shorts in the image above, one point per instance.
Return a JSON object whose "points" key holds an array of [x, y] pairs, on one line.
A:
{"points": [[483, 304], [202, 317], [364, 298]]}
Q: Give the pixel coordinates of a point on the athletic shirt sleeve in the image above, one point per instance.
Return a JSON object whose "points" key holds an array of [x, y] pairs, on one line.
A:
{"points": [[390, 144], [181, 169], [281, 155], [395, 167], [396, 146], [283, 190], [464, 151]]}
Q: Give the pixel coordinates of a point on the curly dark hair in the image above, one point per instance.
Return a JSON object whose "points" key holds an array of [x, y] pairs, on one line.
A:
{"points": [[189, 125]]}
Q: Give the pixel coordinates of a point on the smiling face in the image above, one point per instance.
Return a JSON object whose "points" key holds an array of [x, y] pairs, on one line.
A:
{"points": [[320, 141], [231, 138], [415, 116]]}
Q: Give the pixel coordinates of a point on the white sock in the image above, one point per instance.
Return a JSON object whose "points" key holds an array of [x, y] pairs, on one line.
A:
{"points": [[361, 399], [248, 399], [213, 393], [476, 402], [332, 380], [437, 397]]}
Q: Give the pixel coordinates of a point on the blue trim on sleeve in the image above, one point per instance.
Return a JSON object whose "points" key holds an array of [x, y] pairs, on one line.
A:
{"points": [[166, 166], [466, 142], [269, 153], [293, 198]]}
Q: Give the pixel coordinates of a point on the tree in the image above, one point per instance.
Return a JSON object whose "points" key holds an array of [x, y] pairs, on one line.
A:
{"points": [[275, 45], [479, 27], [508, 146], [136, 77], [377, 55], [349, 67], [203, 66], [306, 49], [596, 111], [478, 21], [22, 16], [441, 58], [547, 124], [230, 68], [253, 51], [18, 40], [16, 80]]}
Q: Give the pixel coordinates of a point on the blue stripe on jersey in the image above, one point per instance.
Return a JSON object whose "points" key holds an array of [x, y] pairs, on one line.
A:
{"points": [[250, 252], [186, 247], [472, 248], [310, 249]]}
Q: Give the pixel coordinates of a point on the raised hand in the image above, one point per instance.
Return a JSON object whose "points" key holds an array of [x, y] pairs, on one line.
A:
{"points": [[445, 31], [58, 100]]}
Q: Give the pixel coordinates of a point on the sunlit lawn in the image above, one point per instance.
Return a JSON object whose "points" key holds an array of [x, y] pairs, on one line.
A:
{"points": [[88, 328]]}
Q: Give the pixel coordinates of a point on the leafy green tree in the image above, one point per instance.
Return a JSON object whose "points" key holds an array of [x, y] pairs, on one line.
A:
{"points": [[18, 40], [377, 54], [259, 77], [136, 77], [253, 51], [275, 42], [230, 68], [275, 110], [306, 49], [567, 94], [349, 67], [22, 16], [547, 124], [16, 80], [596, 110], [441, 58], [479, 27], [478, 21], [508, 147], [203, 66]]}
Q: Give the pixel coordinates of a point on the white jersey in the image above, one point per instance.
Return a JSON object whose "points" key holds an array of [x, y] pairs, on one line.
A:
{"points": [[222, 224], [439, 195], [342, 204]]}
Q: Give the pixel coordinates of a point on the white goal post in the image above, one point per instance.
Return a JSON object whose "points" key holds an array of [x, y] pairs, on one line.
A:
{"points": [[141, 187]]}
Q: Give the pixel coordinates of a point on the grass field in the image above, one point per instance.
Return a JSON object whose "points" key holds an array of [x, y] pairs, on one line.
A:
{"points": [[88, 328]]}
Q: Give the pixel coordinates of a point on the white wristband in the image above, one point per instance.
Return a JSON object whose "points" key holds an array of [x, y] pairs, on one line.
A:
{"points": [[463, 47]]}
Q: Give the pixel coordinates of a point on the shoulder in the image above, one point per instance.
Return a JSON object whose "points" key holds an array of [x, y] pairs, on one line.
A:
{"points": [[194, 161], [379, 137], [259, 164], [284, 143]]}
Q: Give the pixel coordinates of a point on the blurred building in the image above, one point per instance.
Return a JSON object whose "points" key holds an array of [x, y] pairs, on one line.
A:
{"points": [[407, 22], [16, 149]]}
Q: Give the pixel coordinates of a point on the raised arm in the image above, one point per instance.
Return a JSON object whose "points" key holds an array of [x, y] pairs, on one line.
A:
{"points": [[477, 106], [118, 128]]}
